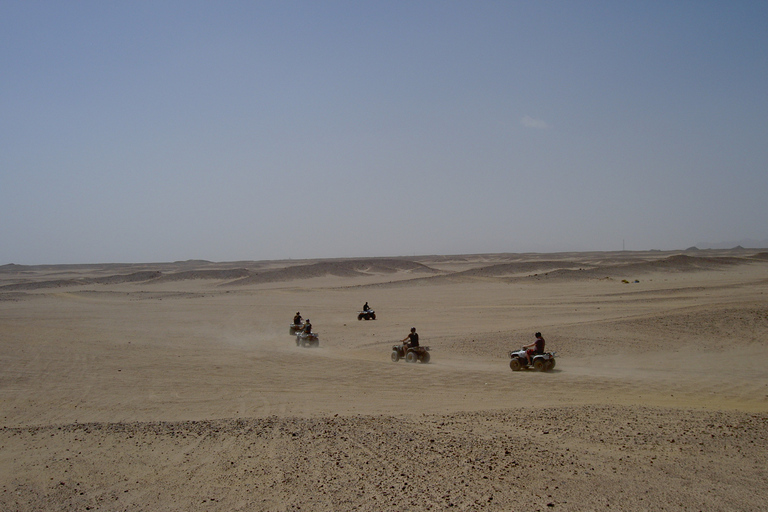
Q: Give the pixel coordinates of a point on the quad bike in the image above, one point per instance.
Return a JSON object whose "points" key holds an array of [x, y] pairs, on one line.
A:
{"points": [[539, 362], [367, 315], [307, 340], [294, 328], [410, 354]]}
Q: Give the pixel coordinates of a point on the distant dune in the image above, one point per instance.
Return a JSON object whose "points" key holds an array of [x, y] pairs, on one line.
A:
{"points": [[506, 269], [338, 268], [671, 264], [224, 275], [578, 266]]}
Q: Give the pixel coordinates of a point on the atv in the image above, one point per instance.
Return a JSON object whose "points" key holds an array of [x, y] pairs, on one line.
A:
{"points": [[294, 328], [307, 340], [368, 314], [410, 354], [539, 362]]}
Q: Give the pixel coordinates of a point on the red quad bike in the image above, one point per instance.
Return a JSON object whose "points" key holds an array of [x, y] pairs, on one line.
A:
{"points": [[539, 362], [410, 354], [307, 340]]}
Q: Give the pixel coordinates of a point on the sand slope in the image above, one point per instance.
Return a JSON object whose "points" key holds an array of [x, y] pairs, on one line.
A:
{"points": [[177, 387]]}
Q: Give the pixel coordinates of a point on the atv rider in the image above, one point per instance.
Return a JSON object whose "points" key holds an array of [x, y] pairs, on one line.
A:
{"points": [[307, 328], [413, 339], [537, 347], [297, 319], [366, 307]]}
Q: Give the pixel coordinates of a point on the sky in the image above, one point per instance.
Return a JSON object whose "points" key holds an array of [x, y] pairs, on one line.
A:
{"points": [[153, 131]]}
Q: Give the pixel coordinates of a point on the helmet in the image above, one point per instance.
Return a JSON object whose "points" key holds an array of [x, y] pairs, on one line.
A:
{"points": [[413, 329], [538, 334]]}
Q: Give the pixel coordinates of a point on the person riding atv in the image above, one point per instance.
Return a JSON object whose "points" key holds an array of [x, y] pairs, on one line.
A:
{"points": [[307, 338], [410, 350], [532, 356], [537, 347], [367, 313], [297, 325]]}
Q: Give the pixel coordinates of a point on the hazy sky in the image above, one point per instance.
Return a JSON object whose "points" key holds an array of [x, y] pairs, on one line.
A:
{"points": [[147, 131]]}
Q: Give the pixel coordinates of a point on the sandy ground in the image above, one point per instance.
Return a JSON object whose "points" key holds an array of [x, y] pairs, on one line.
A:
{"points": [[177, 386]]}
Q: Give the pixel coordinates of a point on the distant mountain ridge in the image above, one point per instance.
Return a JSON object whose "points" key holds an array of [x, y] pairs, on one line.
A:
{"points": [[748, 243]]}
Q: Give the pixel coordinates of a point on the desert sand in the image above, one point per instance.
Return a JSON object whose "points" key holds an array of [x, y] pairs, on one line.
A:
{"points": [[176, 386]]}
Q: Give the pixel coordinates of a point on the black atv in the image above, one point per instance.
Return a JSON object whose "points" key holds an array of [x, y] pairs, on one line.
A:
{"points": [[410, 354], [368, 314]]}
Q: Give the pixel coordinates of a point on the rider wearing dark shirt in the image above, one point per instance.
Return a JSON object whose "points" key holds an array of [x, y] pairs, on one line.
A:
{"points": [[537, 347], [413, 338], [297, 319], [308, 327]]}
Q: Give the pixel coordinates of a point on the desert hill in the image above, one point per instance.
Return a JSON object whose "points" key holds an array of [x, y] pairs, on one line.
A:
{"points": [[14, 278]]}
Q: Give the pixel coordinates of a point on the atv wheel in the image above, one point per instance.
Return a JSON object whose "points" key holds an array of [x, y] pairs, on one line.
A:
{"points": [[551, 364], [539, 365], [515, 365], [298, 342], [411, 357], [395, 356], [424, 359], [360, 316], [373, 316]]}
